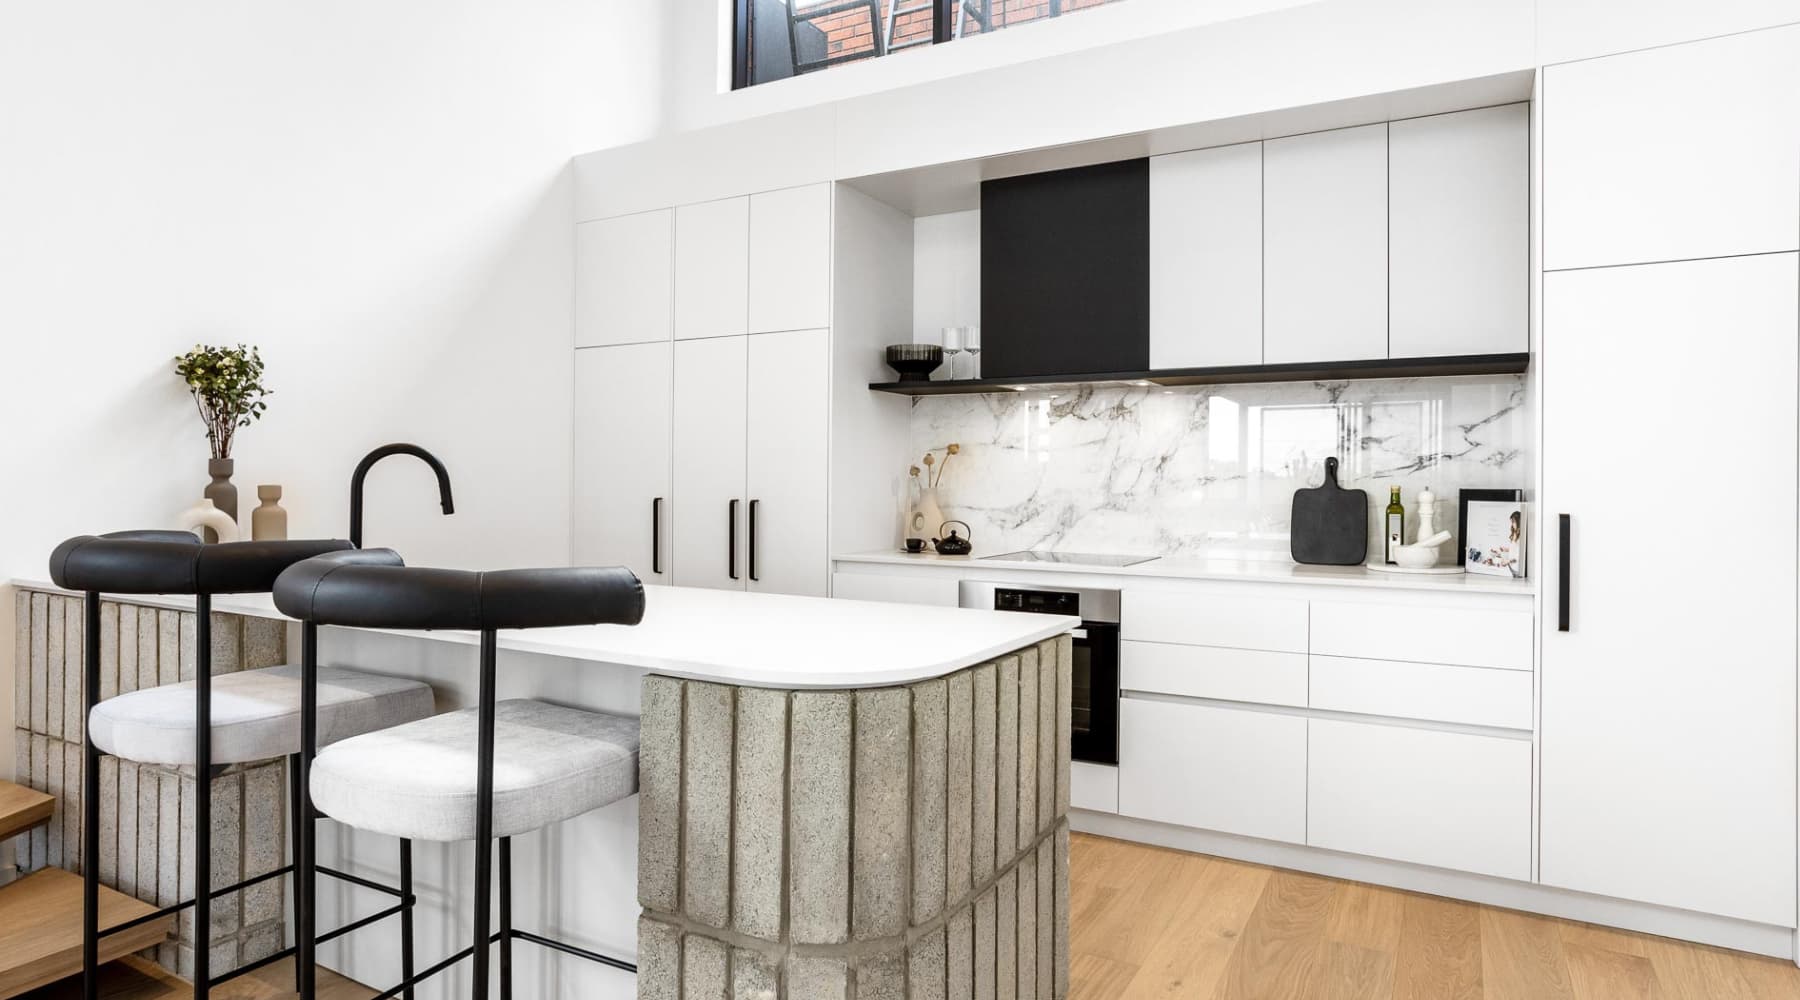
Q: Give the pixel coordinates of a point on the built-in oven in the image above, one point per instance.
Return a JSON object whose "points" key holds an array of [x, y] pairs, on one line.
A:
{"points": [[1094, 687]]}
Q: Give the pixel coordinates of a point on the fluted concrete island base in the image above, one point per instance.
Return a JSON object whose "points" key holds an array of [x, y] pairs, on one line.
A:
{"points": [[907, 842]]}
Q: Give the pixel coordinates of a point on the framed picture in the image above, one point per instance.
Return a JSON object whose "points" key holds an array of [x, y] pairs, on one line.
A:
{"points": [[1493, 541], [1466, 497]]}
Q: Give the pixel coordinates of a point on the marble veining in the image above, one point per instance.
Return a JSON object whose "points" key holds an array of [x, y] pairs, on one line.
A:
{"points": [[1210, 471]]}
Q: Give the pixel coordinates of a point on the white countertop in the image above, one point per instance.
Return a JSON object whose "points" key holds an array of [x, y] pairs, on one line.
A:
{"points": [[751, 640], [1244, 570]]}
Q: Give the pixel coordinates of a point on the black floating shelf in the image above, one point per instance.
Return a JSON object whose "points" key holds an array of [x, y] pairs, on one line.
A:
{"points": [[1328, 371]]}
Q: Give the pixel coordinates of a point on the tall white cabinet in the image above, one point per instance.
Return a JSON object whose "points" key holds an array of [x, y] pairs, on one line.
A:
{"points": [[622, 488], [1668, 669], [703, 440]]}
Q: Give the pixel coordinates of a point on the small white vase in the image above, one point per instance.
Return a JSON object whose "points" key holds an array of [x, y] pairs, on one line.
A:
{"points": [[926, 517], [204, 515]]}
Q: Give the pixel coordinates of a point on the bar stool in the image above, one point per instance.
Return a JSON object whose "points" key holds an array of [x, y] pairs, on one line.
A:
{"points": [[435, 779], [208, 721]]}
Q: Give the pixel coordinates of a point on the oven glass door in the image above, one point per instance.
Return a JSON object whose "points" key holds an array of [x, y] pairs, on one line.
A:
{"points": [[1094, 694]]}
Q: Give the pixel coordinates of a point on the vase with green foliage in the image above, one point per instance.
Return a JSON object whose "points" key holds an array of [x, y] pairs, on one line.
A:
{"points": [[227, 386]]}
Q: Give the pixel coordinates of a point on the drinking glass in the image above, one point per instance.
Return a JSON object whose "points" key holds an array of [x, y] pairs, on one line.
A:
{"points": [[972, 344], [953, 345]]}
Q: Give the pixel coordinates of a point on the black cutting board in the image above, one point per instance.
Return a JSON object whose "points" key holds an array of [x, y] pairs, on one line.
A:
{"points": [[1330, 526]]}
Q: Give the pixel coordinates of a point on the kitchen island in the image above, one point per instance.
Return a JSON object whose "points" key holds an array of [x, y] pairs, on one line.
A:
{"points": [[837, 798]]}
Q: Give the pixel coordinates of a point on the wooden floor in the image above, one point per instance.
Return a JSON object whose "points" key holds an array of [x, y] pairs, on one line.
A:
{"points": [[1148, 922], [136, 979]]}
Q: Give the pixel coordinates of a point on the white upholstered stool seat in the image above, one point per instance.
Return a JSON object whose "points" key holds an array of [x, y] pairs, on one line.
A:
{"points": [[418, 780], [255, 714]]}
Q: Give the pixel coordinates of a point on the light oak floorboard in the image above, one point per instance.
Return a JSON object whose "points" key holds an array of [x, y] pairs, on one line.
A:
{"points": [[1155, 924], [135, 979]]}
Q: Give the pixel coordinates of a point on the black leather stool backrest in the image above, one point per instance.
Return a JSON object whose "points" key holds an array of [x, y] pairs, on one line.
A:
{"points": [[177, 562], [371, 588]]}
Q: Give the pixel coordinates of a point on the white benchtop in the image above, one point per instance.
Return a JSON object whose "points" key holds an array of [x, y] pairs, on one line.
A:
{"points": [[750, 640], [1243, 570]]}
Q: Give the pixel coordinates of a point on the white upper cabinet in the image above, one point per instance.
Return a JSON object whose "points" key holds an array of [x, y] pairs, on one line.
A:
{"points": [[1206, 306], [789, 411], [1459, 254], [790, 259], [1325, 239], [712, 269], [623, 499], [624, 279], [1673, 153]]}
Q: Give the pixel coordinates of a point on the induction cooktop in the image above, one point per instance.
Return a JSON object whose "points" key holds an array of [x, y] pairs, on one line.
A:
{"points": [[1071, 558]]}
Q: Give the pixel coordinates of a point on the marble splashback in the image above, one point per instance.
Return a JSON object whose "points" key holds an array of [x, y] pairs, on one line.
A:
{"points": [[1211, 471]]}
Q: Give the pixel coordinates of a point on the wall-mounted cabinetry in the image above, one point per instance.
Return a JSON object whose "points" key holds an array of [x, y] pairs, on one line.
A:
{"points": [[1398, 249], [1668, 703], [1406, 239], [706, 357]]}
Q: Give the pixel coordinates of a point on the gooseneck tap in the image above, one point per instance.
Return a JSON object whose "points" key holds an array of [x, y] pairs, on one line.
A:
{"points": [[368, 462]]}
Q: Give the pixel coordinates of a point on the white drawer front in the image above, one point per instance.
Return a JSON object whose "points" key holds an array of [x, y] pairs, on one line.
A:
{"points": [[1445, 799], [1471, 695], [1473, 637], [1240, 772], [1093, 786], [1212, 672], [1155, 614], [939, 591]]}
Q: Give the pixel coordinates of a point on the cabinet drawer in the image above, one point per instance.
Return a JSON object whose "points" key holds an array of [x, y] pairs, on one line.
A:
{"points": [[1445, 799], [1197, 618], [1470, 637], [1213, 672], [1471, 695], [1094, 787], [939, 591], [1240, 772]]}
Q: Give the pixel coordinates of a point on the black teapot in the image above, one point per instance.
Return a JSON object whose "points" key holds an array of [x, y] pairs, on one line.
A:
{"points": [[953, 544]]}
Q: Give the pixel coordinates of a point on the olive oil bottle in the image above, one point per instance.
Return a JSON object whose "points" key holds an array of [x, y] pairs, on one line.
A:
{"points": [[1396, 523]]}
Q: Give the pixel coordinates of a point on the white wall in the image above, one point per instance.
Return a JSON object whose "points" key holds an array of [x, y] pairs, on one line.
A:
{"points": [[376, 194], [698, 78]]}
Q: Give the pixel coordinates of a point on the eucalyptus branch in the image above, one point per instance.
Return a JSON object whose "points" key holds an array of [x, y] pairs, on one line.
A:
{"points": [[226, 383]]}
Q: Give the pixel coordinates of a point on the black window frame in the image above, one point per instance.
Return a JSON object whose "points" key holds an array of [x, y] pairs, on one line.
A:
{"points": [[943, 21]]}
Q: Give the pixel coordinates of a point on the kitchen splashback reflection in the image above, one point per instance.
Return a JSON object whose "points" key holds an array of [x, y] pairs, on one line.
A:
{"points": [[1211, 471]]}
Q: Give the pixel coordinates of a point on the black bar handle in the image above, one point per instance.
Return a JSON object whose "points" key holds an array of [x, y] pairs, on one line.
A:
{"points": [[753, 505], [656, 535], [1562, 573], [731, 539]]}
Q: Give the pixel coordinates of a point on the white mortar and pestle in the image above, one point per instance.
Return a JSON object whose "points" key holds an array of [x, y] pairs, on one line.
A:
{"points": [[1422, 554]]}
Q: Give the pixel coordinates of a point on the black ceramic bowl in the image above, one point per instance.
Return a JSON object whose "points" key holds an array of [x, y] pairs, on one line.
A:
{"points": [[915, 362]]}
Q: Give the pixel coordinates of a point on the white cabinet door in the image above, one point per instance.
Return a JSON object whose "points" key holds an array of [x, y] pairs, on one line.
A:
{"points": [[790, 259], [1453, 800], [1240, 772], [1206, 257], [1674, 153], [709, 437], [624, 279], [712, 268], [1667, 708], [1459, 216], [622, 501], [789, 413], [1325, 238]]}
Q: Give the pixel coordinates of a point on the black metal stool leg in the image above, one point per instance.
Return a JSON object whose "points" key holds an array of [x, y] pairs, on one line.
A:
{"points": [[484, 812], [306, 904], [406, 916], [202, 796], [90, 805], [505, 918], [296, 818]]}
